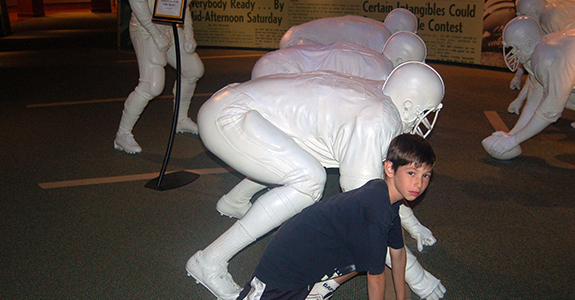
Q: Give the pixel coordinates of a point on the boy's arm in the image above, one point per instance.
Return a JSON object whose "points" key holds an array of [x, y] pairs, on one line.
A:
{"points": [[376, 286], [398, 262]]}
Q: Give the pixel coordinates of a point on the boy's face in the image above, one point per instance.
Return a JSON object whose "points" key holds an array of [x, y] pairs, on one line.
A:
{"points": [[408, 182]]}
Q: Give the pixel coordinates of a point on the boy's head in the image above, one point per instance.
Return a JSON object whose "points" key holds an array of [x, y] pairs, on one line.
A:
{"points": [[406, 149]]}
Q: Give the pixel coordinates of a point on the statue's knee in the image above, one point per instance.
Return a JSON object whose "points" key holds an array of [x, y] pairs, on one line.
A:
{"points": [[315, 183], [150, 89]]}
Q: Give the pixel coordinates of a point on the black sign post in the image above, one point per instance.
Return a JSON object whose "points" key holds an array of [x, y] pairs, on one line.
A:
{"points": [[172, 11]]}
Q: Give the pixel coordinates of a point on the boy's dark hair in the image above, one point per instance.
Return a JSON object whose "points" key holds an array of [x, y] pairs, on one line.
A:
{"points": [[406, 148]]}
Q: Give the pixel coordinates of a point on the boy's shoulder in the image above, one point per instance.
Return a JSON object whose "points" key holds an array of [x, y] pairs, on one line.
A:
{"points": [[375, 184]]}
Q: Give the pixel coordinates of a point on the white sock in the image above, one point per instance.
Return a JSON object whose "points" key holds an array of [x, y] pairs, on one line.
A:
{"points": [[228, 244]]}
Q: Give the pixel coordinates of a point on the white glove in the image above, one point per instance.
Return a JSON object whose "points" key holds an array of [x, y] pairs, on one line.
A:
{"points": [[515, 83], [503, 144], [423, 236], [421, 282], [162, 41], [420, 233], [515, 106], [437, 293], [190, 44]]}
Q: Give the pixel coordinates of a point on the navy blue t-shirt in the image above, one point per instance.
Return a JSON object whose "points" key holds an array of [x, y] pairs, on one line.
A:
{"points": [[348, 232]]}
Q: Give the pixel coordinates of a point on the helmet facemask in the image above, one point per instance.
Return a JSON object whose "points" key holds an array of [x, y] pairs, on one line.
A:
{"points": [[423, 125], [511, 56]]}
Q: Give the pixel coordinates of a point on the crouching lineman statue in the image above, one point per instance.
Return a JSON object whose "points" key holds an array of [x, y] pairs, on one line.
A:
{"points": [[358, 30], [267, 129], [347, 58], [552, 17], [154, 47], [550, 61]]}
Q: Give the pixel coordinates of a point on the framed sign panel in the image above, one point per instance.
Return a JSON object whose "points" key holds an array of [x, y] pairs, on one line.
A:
{"points": [[169, 11]]}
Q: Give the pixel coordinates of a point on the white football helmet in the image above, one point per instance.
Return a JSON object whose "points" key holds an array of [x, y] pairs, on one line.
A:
{"points": [[417, 90], [520, 36], [401, 19], [530, 8], [405, 46]]}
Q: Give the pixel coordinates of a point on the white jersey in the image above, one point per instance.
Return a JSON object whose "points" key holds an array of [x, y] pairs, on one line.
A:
{"points": [[557, 16], [343, 121], [553, 66], [351, 29], [342, 57]]}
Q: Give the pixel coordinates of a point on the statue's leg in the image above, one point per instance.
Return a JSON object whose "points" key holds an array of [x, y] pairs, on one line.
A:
{"points": [[255, 147], [151, 65], [192, 69], [236, 202]]}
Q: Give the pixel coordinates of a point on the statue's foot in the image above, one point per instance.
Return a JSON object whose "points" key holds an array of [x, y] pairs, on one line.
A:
{"points": [[214, 277], [125, 142], [187, 126]]}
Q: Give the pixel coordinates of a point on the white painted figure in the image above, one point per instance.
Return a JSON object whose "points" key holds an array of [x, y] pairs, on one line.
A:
{"points": [[557, 16], [552, 16], [353, 29], [359, 61], [530, 8], [267, 129], [550, 61], [154, 47], [344, 57]]}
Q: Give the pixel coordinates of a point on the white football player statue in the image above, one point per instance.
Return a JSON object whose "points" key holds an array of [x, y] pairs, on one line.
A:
{"points": [[353, 29], [277, 131], [360, 61], [154, 47], [550, 61], [344, 57], [552, 16]]}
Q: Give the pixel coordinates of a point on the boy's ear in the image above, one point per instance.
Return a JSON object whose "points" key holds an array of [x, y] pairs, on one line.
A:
{"points": [[388, 167]]}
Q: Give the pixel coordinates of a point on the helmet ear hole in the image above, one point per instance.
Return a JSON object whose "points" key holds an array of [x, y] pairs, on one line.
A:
{"points": [[407, 105]]}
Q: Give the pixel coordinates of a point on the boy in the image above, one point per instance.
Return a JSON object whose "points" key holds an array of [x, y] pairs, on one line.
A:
{"points": [[347, 233]]}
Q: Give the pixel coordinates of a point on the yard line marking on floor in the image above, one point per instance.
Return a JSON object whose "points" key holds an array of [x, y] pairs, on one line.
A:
{"points": [[125, 178], [206, 57], [103, 101], [496, 121]]}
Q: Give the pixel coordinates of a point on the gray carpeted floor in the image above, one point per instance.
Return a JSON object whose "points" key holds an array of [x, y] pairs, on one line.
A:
{"points": [[505, 230]]}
